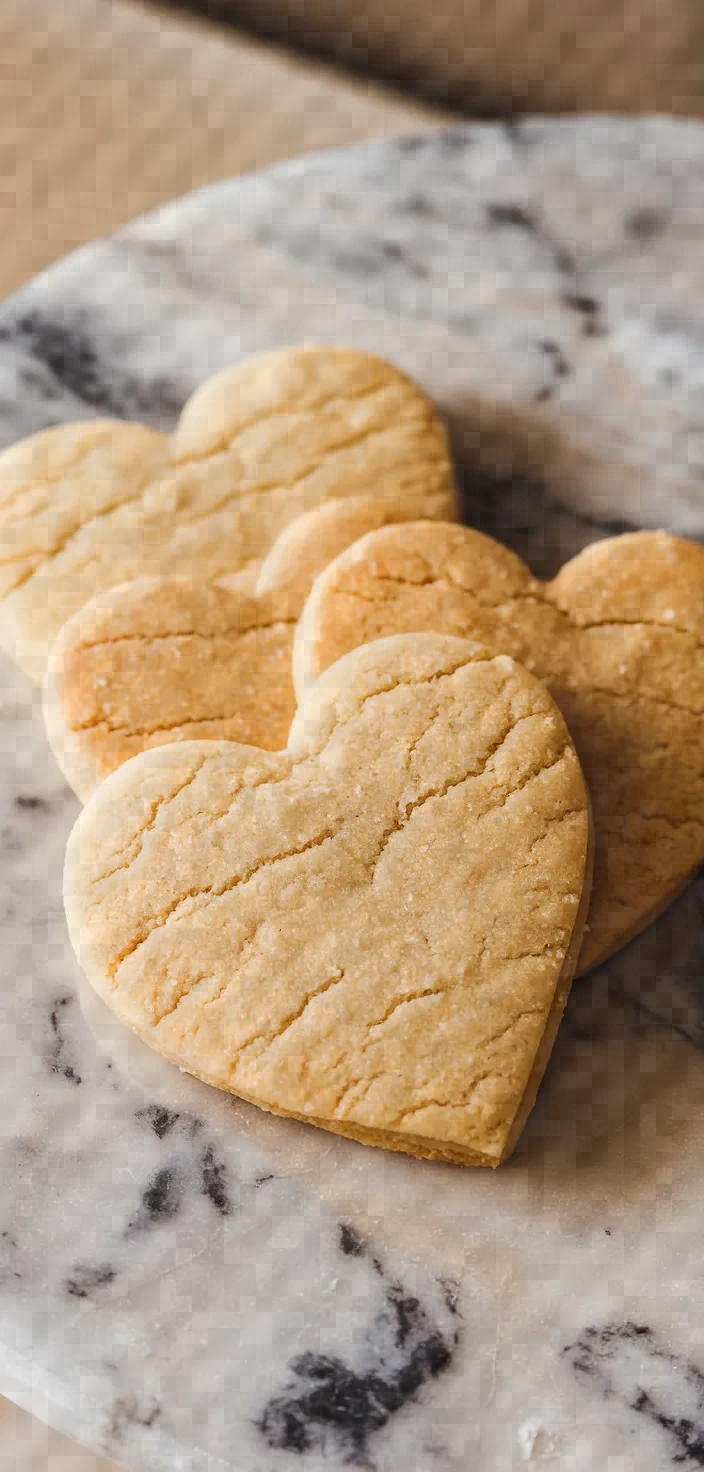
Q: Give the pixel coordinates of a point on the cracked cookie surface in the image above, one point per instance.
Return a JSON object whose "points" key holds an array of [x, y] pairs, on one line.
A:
{"points": [[86, 506], [618, 638], [157, 660], [374, 930]]}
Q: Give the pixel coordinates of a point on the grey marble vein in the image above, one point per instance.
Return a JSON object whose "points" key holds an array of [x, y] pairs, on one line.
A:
{"points": [[186, 1282]]}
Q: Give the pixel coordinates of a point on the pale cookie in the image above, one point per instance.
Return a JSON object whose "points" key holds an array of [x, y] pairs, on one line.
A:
{"points": [[618, 638], [86, 506], [157, 660], [374, 930], [304, 549]]}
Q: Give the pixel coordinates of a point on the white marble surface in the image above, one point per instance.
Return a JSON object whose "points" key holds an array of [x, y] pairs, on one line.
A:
{"points": [[185, 1282]]}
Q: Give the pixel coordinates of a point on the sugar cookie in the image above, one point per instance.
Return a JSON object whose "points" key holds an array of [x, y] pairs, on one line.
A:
{"points": [[618, 638], [86, 506], [158, 660], [374, 930]]}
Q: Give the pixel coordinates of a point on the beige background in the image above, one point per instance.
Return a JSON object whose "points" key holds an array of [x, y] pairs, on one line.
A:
{"points": [[26, 1445], [107, 109], [501, 56]]}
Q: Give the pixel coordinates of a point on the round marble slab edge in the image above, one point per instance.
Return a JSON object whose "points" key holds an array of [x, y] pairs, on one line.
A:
{"points": [[186, 1282]]}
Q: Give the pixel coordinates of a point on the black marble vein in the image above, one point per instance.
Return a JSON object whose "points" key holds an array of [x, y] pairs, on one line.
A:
{"points": [[451, 1294], [163, 1195], [646, 224], [9, 1272], [628, 1361], [160, 1201], [349, 1241], [65, 352], [162, 1120], [126, 1412], [58, 1056], [85, 1279], [509, 214], [336, 1405], [557, 367], [214, 1181], [588, 310]]}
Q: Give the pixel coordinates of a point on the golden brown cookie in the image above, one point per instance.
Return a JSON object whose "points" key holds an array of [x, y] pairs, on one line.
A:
{"points": [[158, 660], [374, 930], [308, 544], [618, 638], [86, 506]]}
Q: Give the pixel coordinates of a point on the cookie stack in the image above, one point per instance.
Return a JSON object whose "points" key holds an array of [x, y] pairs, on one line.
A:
{"points": [[347, 766]]}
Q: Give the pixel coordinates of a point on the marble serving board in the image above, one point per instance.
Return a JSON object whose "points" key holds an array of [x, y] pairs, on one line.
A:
{"points": [[186, 1282]]}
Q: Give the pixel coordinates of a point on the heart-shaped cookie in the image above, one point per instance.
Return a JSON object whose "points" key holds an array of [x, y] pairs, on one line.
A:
{"points": [[159, 660], [86, 506], [618, 638], [374, 930]]}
